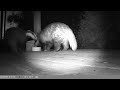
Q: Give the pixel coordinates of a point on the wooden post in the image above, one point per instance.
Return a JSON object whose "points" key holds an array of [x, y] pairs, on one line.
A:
{"points": [[0, 27], [37, 21], [3, 23]]}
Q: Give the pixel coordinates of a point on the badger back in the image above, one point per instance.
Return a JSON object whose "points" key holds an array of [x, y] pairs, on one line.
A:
{"points": [[64, 32]]}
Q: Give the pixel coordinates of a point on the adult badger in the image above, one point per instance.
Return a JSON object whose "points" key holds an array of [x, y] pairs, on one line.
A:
{"points": [[58, 34], [16, 39]]}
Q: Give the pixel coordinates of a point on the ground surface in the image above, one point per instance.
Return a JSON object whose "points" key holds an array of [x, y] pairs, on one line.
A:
{"points": [[81, 64]]}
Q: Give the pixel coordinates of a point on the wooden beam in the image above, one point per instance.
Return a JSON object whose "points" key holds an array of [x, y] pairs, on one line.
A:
{"points": [[37, 21]]}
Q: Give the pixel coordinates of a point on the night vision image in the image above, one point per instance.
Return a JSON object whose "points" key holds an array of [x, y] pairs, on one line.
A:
{"points": [[60, 44]]}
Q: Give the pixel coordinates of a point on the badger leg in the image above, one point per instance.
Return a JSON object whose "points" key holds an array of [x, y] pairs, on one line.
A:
{"points": [[22, 47], [65, 46], [57, 46], [13, 47], [48, 46]]}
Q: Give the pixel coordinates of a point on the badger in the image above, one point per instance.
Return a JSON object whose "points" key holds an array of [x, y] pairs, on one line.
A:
{"points": [[16, 39], [57, 35]]}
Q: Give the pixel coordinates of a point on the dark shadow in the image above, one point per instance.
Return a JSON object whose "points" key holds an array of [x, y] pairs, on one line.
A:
{"points": [[4, 48], [27, 22], [113, 34]]}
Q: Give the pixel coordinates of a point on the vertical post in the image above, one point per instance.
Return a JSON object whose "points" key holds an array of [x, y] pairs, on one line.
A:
{"points": [[3, 24], [37, 21], [0, 27]]}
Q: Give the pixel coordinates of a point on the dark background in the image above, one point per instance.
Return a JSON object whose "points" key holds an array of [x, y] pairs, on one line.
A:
{"points": [[27, 22], [93, 29]]}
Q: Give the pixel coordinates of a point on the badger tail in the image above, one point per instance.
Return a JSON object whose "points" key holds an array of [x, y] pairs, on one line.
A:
{"points": [[72, 40]]}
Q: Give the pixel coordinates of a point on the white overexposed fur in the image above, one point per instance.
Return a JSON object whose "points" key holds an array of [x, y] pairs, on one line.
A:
{"points": [[61, 33], [66, 34]]}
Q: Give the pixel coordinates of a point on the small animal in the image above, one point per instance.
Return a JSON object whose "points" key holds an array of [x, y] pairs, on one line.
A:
{"points": [[16, 39]]}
